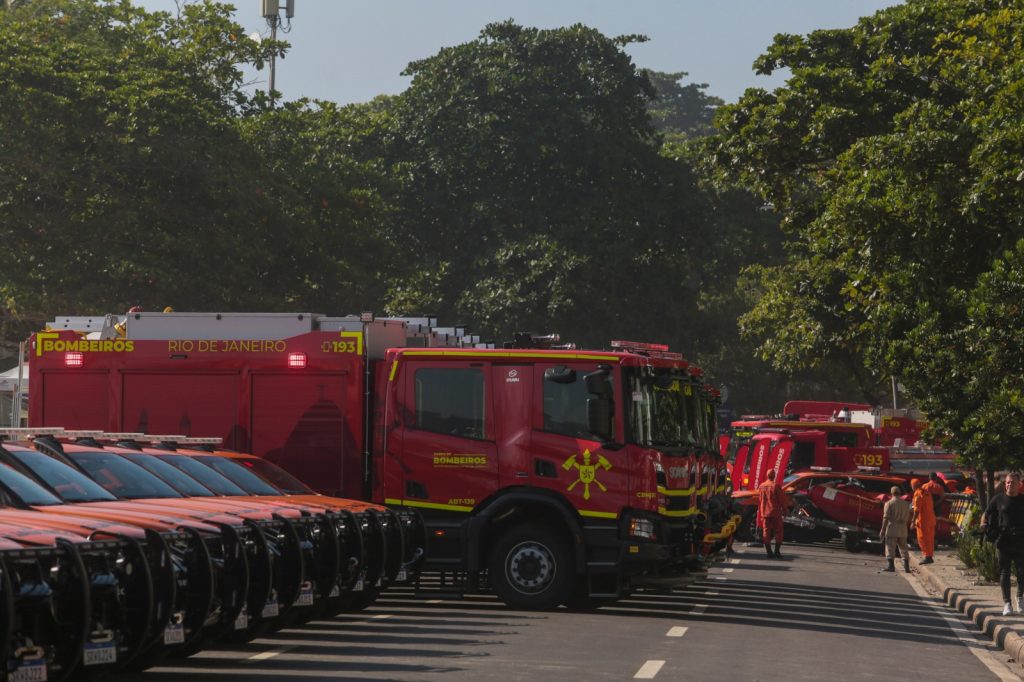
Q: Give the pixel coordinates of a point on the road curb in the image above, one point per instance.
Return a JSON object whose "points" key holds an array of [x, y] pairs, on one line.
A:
{"points": [[984, 614]]}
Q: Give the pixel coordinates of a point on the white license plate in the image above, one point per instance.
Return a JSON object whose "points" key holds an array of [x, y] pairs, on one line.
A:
{"points": [[242, 622], [402, 575], [174, 634], [29, 671], [305, 598], [271, 609], [99, 654]]}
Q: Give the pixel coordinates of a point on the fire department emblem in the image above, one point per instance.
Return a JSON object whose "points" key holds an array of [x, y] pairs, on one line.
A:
{"points": [[587, 471]]}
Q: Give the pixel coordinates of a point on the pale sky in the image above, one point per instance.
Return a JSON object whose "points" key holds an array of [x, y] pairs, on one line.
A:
{"points": [[348, 51]]}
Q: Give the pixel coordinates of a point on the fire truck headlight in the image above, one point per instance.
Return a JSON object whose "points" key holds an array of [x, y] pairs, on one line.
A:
{"points": [[643, 528]]}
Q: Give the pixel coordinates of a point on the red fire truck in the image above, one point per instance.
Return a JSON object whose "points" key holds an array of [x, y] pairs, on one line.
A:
{"points": [[758, 444], [562, 475]]}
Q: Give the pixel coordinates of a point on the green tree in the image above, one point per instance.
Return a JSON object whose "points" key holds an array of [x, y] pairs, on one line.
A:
{"points": [[892, 158], [535, 196], [681, 111], [135, 168]]}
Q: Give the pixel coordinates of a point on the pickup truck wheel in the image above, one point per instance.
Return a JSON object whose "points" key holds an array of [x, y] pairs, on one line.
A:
{"points": [[530, 568]]}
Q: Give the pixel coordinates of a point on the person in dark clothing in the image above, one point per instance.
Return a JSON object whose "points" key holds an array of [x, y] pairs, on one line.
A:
{"points": [[1004, 520]]}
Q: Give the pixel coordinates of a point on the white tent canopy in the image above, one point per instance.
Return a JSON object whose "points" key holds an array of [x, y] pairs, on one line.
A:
{"points": [[9, 380]]}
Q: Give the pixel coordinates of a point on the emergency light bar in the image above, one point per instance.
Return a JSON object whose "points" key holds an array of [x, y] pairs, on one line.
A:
{"points": [[80, 434], [166, 438], [821, 468], [639, 345], [196, 440], [120, 436], [869, 470], [20, 433]]}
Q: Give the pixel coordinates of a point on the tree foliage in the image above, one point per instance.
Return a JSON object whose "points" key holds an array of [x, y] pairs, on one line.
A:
{"points": [[892, 156], [537, 193], [527, 180], [135, 168]]}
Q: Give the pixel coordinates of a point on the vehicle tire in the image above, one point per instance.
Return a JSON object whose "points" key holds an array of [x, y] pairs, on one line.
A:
{"points": [[853, 543], [530, 567]]}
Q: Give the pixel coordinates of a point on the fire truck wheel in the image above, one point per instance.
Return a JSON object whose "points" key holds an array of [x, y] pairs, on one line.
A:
{"points": [[853, 543], [530, 568]]}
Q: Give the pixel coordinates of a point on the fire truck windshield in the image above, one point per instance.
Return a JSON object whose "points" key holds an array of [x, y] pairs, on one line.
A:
{"points": [[657, 411]]}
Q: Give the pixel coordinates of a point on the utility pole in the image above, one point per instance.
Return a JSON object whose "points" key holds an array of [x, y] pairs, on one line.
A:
{"points": [[272, 14]]}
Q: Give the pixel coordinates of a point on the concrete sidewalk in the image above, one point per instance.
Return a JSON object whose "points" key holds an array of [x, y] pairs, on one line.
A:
{"points": [[956, 585]]}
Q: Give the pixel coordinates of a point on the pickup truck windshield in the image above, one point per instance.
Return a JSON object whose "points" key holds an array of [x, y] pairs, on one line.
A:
{"points": [[205, 475], [72, 485], [121, 477], [27, 490], [239, 475], [178, 479], [276, 475]]}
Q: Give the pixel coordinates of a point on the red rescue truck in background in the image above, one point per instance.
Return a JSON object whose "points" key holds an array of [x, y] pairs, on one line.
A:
{"points": [[757, 445], [564, 476]]}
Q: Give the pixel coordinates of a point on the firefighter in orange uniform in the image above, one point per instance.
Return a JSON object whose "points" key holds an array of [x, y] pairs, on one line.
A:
{"points": [[924, 520], [771, 506]]}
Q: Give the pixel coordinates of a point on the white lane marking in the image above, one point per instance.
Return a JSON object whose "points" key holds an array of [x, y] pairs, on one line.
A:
{"points": [[728, 570], [677, 631], [710, 594], [264, 655], [381, 616], [734, 561], [436, 601], [718, 577], [698, 609], [648, 670], [966, 636]]}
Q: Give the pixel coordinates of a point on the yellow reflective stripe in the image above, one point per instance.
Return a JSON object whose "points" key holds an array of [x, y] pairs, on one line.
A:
{"points": [[599, 515], [394, 370], [685, 492], [681, 513], [504, 355], [428, 505], [702, 491], [720, 489]]}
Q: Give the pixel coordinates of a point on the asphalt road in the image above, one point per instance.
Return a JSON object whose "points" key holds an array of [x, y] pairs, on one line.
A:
{"points": [[821, 613]]}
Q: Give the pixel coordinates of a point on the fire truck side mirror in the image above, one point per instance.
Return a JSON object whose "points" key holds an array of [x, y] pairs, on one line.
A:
{"points": [[599, 418], [560, 375]]}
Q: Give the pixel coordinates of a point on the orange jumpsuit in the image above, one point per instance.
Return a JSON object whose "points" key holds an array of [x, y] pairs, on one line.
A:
{"points": [[771, 506], [924, 521]]}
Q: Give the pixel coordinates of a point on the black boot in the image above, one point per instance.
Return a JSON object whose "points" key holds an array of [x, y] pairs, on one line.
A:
{"points": [[906, 564], [891, 568], [778, 554], [768, 548]]}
